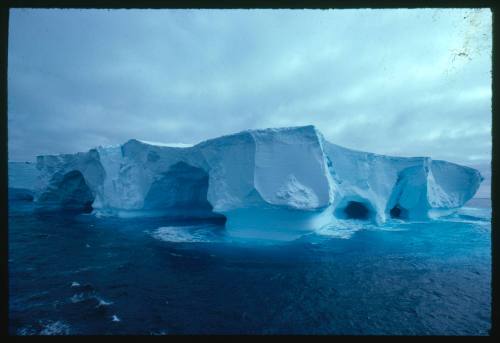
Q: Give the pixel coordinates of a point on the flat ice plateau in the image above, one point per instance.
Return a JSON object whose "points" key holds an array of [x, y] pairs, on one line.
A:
{"points": [[274, 179]]}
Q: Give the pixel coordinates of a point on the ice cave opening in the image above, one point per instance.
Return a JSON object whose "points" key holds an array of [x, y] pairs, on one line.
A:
{"points": [[354, 210], [70, 192], [398, 212], [181, 191], [76, 194]]}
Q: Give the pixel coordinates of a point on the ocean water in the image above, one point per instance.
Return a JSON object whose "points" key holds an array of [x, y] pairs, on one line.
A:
{"points": [[78, 274]]}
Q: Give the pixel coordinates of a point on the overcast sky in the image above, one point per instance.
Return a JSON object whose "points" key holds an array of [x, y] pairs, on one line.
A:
{"points": [[400, 82]]}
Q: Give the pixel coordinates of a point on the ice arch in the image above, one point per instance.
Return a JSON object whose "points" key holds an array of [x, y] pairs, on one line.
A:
{"points": [[69, 192], [180, 191]]}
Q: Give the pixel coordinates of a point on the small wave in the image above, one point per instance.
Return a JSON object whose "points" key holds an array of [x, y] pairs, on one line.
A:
{"points": [[98, 213], [75, 284], [55, 328], [84, 269], [341, 229], [103, 302], [470, 215], [472, 218], [83, 297], [186, 234], [115, 318], [45, 328], [345, 229], [477, 223], [159, 333], [76, 298], [27, 331], [390, 228]]}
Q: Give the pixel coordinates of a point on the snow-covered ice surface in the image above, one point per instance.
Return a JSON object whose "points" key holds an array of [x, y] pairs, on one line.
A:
{"points": [[285, 179], [172, 145]]}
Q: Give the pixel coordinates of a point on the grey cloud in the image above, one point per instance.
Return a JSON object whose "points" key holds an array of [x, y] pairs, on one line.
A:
{"points": [[404, 82]]}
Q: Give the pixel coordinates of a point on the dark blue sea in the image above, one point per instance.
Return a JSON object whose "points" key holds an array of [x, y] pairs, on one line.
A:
{"points": [[78, 274]]}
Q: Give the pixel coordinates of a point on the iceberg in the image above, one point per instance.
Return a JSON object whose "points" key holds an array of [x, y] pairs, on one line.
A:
{"points": [[281, 179]]}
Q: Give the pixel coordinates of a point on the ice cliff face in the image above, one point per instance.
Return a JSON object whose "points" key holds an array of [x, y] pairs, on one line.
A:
{"points": [[413, 188], [266, 178]]}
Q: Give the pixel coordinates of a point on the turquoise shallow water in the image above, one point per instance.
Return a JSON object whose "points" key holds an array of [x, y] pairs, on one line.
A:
{"points": [[78, 274]]}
